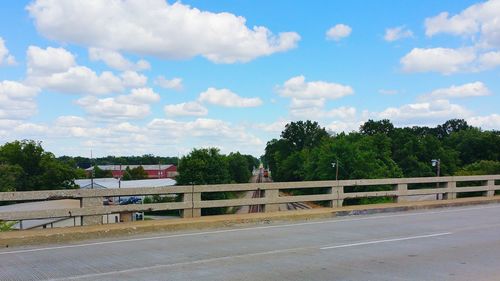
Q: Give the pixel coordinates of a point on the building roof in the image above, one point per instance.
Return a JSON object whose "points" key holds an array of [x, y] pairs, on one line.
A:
{"points": [[116, 183], [123, 167], [40, 206]]}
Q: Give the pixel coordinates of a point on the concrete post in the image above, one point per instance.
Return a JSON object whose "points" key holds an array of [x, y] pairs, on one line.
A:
{"points": [[338, 195], [271, 195], [452, 194], [89, 202], [192, 198], [402, 189], [491, 188]]}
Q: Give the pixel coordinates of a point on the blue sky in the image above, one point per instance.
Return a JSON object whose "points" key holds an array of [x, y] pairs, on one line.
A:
{"points": [[136, 77]]}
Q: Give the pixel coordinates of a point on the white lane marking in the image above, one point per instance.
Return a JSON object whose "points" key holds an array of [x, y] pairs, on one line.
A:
{"points": [[209, 260], [386, 241], [245, 229]]}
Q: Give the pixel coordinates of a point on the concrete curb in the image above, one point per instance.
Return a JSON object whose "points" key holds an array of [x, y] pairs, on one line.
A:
{"points": [[74, 234]]}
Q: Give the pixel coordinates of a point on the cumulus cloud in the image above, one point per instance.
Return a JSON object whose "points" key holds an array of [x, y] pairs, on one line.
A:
{"points": [[443, 60], [213, 132], [186, 109], [55, 69], [481, 19], [396, 33], [157, 28], [225, 97], [338, 32], [475, 89], [320, 114], [5, 57], [174, 83], [297, 87], [488, 122], [489, 60], [116, 60], [17, 101], [435, 111], [133, 79], [136, 105]]}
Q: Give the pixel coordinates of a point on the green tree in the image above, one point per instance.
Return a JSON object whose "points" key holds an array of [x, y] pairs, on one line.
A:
{"points": [[9, 177], [371, 127], [303, 134], [40, 169], [203, 166], [100, 173], [483, 167], [238, 166]]}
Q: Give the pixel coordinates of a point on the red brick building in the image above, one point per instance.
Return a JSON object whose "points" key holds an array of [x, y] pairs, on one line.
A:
{"points": [[153, 171]]}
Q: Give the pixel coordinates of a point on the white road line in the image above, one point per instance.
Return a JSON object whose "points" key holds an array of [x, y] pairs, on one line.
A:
{"points": [[246, 229], [209, 260], [386, 241]]}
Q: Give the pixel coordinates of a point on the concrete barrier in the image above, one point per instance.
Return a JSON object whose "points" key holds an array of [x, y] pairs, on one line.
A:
{"points": [[334, 193]]}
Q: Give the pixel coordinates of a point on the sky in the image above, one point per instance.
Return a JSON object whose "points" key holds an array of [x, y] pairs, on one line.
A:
{"points": [[133, 77]]}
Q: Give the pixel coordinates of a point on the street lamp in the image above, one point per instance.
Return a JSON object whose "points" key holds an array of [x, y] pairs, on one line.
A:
{"points": [[437, 163], [336, 166]]}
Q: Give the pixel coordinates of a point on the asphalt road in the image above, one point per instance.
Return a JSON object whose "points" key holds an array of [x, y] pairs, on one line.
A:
{"points": [[440, 244]]}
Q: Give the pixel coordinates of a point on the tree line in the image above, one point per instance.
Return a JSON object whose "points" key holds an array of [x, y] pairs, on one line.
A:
{"points": [[306, 151]]}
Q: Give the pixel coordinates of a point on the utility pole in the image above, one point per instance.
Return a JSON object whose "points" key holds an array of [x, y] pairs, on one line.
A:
{"points": [[437, 164], [93, 171], [336, 166]]}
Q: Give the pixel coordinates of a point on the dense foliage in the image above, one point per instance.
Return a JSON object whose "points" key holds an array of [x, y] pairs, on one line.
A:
{"points": [[380, 150], [209, 166], [24, 165]]}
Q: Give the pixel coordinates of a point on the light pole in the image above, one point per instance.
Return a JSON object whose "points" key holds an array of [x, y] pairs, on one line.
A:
{"points": [[336, 166], [437, 163]]}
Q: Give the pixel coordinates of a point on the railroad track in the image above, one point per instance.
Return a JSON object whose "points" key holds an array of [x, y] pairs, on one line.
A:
{"points": [[297, 206], [258, 194]]}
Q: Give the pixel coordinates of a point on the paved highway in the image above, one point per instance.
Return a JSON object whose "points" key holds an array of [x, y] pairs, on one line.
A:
{"points": [[440, 244]]}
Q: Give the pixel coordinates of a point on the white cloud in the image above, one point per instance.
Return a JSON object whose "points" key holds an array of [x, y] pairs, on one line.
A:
{"points": [[481, 18], [71, 121], [186, 109], [435, 111], [388, 91], [133, 79], [5, 56], [338, 32], [174, 83], [475, 89], [307, 103], [17, 101], [488, 122], [132, 106], [396, 33], [212, 132], [225, 97], [55, 69], [489, 60], [320, 114], [443, 60], [140, 96], [116, 61], [49, 60], [297, 87], [157, 28]]}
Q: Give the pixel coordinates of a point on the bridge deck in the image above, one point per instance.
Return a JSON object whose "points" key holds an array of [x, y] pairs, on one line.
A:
{"points": [[460, 243]]}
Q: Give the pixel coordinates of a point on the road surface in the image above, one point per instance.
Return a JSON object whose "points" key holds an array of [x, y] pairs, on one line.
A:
{"points": [[441, 244]]}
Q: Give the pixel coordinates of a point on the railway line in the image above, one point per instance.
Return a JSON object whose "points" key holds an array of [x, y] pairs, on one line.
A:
{"points": [[260, 178]]}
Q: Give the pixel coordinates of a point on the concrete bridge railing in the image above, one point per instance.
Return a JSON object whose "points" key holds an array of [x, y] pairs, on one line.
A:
{"points": [[332, 193]]}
